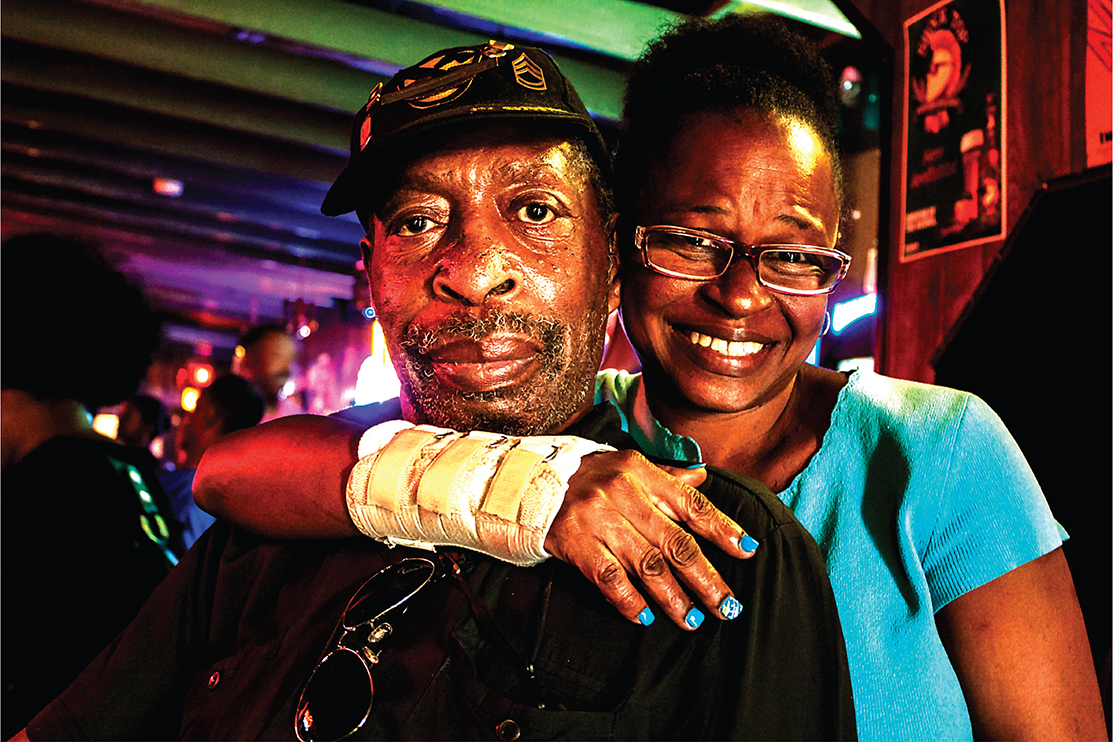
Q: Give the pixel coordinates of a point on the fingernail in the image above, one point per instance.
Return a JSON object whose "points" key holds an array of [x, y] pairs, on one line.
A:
{"points": [[694, 618], [730, 608], [646, 617], [747, 544]]}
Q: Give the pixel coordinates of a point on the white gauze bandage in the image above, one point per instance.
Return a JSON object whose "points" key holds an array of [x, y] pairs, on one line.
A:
{"points": [[423, 486]]}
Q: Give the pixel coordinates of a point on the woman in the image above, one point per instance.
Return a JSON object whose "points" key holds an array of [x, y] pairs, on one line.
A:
{"points": [[956, 603]]}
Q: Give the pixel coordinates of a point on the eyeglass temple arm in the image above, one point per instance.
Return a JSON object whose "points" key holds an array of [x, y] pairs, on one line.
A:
{"points": [[484, 618]]}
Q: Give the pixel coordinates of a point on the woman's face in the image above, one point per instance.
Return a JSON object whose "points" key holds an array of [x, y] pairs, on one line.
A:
{"points": [[730, 344]]}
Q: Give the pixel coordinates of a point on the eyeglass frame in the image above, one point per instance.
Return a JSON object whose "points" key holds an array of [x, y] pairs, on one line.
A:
{"points": [[374, 630], [444, 565], [751, 252]]}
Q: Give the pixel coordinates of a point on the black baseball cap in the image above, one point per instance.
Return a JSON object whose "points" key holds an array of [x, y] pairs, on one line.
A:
{"points": [[467, 83]]}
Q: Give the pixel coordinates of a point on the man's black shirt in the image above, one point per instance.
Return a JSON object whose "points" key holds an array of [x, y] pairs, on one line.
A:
{"points": [[223, 648]]}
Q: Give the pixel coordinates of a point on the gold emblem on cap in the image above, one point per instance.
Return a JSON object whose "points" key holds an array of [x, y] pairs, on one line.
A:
{"points": [[528, 73], [365, 125], [443, 63], [495, 49]]}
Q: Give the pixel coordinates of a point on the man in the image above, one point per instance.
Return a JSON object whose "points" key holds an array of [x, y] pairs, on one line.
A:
{"points": [[266, 355], [229, 404], [479, 176], [142, 419], [86, 527]]}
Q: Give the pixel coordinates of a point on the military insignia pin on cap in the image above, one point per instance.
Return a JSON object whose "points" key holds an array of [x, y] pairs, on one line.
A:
{"points": [[494, 81]]}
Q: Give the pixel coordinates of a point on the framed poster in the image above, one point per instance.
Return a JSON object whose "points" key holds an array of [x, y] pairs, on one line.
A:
{"points": [[952, 189]]}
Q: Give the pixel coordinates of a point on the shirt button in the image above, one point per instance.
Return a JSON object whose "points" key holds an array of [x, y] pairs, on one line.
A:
{"points": [[508, 730], [214, 680]]}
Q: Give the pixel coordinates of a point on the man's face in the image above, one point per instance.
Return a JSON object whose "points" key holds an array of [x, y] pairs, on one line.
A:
{"points": [[197, 431], [269, 363], [490, 274]]}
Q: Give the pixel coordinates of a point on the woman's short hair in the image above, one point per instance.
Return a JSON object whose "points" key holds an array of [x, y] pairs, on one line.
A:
{"points": [[752, 61]]}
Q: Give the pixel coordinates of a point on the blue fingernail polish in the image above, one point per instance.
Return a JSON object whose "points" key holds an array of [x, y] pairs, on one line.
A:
{"points": [[646, 617], [694, 618], [730, 608], [747, 543]]}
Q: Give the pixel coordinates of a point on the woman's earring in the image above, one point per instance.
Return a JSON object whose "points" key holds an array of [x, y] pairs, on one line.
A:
{"points": [[369, 312], [826, 323]]}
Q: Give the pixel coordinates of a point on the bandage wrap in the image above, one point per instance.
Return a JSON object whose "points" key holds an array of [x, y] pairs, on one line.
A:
{"points": [[425, 486]]}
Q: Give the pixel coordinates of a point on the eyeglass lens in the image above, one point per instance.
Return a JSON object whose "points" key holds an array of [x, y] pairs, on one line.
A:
{"points": [[692, 256], [337, 699], [338, 696]]}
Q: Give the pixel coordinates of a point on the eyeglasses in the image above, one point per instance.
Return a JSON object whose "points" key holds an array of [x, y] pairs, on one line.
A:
{"points": [[338, 695], [336, 700], [696, 255]]}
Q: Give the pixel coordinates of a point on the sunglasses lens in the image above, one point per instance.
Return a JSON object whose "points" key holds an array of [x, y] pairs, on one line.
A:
{"points": [[336, 700], [387, 589]]}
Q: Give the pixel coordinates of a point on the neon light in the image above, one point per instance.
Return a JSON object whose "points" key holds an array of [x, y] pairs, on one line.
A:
{"points": [[847, 312]]}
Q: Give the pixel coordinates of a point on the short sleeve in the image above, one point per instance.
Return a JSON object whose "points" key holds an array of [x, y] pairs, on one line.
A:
{"points": [[992, 515]]}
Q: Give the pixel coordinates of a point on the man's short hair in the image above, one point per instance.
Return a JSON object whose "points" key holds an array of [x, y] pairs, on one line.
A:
{"points": [[152, 411]]}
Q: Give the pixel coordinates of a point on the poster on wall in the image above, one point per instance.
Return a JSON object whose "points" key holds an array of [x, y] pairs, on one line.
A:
{"points": [[952, 189]]}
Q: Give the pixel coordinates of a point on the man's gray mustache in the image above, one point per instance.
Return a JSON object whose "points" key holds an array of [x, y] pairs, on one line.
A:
{"points": [[549, 333]]}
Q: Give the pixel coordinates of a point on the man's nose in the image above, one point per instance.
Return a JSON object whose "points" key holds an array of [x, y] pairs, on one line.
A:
{"points": [[738, 291], [477, 269]]}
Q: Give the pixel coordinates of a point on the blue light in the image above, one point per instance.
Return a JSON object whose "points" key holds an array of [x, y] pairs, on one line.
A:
{"points": [[847, 312]]}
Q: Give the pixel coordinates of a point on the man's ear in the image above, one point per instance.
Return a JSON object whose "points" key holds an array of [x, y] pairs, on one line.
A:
{"points": [[615, 265], [365, 250]]}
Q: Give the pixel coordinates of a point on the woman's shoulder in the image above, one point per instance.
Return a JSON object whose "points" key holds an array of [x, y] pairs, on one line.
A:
{"points": [[902, 401]]}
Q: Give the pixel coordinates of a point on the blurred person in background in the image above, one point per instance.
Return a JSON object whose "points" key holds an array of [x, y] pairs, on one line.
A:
{"points": [[267, 359], [143, 419], [87, 529], [229, 404]]}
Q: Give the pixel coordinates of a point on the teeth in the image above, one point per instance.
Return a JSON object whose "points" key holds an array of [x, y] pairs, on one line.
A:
{"points": [[722, 346]]}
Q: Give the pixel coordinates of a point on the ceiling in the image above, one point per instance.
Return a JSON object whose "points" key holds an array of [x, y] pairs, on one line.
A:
{"points": [[110, 106]]}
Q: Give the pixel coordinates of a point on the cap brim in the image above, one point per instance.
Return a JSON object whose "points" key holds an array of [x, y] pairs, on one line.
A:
{"points": [[343, 195]]}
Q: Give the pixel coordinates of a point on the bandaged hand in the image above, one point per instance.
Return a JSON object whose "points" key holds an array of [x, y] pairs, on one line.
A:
{"points": [[425, 486]]}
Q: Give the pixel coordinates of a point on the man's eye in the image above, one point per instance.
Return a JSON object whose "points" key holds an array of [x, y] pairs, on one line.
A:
{"points": [[415, 225], [536, 213]]}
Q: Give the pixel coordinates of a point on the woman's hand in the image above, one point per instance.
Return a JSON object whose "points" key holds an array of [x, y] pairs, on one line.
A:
{"points": [[619, 520]]}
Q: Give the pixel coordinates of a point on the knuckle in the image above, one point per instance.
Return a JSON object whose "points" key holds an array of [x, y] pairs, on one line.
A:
{"points": [[629, 457], [652, 564], [698, 504], [610, 575], [682, 548]]}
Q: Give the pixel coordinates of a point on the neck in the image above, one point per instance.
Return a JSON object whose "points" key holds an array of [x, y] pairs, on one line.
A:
{"points": [[27, 422], [772, 442], [729, 439]]}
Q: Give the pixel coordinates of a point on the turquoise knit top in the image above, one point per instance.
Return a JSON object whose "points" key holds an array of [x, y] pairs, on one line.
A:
{"points": [[917, 495]]}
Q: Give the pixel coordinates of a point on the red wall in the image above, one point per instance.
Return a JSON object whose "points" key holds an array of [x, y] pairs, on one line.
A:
{"points": [[1045, 130]]}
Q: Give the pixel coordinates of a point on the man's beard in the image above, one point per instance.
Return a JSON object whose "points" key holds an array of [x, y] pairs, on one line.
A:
{"points": [[542, 404]]}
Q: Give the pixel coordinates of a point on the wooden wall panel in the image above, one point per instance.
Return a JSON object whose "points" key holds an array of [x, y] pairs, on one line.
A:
{"points": [[1045, 130]]}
